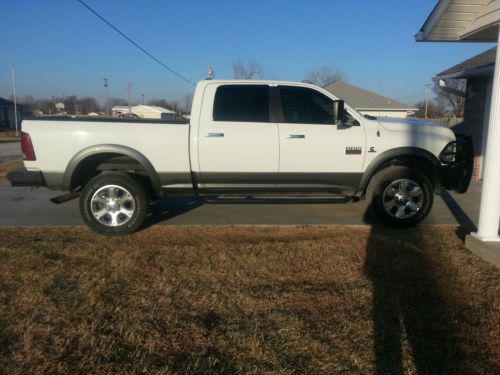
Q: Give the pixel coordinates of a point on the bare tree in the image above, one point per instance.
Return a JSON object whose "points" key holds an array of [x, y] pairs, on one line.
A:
{"points": [[187, 101], [434, 110], [160, 103], [88, 105], [451, 102], [324, 75], [248, 70], [117, 101]]}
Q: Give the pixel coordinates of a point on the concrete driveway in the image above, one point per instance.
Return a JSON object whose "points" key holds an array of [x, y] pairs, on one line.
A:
{"points": [[22, 207]]}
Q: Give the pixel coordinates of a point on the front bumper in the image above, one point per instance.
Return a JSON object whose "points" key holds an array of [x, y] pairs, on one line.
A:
{"points": [[456, 176], [24, 177]]}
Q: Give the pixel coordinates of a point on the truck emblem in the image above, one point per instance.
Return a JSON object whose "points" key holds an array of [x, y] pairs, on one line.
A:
{"points": [[372, 149], [353, 150]]}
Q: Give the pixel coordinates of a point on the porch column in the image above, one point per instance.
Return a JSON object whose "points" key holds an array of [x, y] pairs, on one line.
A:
{"points": [[489, 213]]}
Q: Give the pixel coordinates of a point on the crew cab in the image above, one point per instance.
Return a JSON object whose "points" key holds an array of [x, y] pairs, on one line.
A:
{"points": [[245, 137]]}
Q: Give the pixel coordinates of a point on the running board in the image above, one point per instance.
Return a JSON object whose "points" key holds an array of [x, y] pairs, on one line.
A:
{"points": [[277, 198]]}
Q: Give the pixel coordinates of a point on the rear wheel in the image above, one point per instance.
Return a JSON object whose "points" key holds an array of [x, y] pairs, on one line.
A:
{"points": [[114, 204], [401, 196]]}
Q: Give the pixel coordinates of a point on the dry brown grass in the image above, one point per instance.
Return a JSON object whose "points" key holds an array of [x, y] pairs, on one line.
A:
{"points": [[324, 300]]}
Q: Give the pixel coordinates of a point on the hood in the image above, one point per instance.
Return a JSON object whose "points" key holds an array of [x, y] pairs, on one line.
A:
{"points": [[414, 125]]}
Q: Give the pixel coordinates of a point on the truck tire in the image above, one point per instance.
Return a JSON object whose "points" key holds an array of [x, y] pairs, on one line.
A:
{"points": [[114, 204], [401, 196]]}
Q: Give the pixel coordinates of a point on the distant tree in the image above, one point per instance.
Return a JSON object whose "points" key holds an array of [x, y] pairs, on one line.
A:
{"points": [[434, 110], [249, 70], [71, 104], [160, 103], [324, 75], [187, 102], [452, 103], [45, 105], [88, 105], [117, 101]]}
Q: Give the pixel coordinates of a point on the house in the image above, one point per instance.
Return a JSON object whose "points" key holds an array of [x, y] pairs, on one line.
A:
{"points": [[476, 21], [144, 111], [478, 71], [7, 117], [118, 110], [369, 103], [148, 111]]}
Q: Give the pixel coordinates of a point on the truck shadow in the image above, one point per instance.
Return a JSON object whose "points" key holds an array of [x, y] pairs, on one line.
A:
{"points": [[408, 307], [167, 208]]}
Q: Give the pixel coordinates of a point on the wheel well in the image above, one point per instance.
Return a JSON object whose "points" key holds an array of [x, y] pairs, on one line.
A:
{"points": [[420, 163], [94, 165]]}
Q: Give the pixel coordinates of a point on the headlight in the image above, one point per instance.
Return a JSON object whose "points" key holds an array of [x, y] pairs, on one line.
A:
{"points": [[448, 155]]}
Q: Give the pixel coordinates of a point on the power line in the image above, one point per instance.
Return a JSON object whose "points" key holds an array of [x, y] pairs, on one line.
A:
{"points": [[182, 36], [135, 44]]}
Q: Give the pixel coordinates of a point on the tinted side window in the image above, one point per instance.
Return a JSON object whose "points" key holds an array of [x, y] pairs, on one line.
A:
{"points": [[245, 103], [305, 106]]}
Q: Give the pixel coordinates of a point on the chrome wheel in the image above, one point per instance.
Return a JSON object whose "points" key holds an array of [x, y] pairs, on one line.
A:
{"points": [[112, 205], [403, 199]]}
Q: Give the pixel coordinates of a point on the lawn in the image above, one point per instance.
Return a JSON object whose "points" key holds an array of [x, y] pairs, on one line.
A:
{"points": [[263, 300]]}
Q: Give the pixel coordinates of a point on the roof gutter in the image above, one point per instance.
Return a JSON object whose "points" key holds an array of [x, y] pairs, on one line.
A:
{"points": [[431, 21]]}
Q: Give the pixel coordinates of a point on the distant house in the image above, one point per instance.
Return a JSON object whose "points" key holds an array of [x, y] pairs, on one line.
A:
{"points": [[369, 103], [148, 111], [478, 71], [118, 110], [144, 111], [7, 118]]}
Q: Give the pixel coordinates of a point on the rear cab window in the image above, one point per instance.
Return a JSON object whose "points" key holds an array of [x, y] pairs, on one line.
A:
{"points": [[242, 103]]}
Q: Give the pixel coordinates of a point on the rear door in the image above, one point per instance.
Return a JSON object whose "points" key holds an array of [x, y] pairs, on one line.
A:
{"points": [[316, 154], [238, 143]]}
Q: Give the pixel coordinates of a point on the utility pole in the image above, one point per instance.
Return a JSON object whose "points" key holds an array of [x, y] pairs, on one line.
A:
{"points": [[14, 93], [426, 91], [54, 103], [106, 100], [129, 98], [142, 99]]}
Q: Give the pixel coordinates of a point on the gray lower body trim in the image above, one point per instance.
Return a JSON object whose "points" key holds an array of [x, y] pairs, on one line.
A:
{"points": [[181, 179], [340, 182], [54, 180]]}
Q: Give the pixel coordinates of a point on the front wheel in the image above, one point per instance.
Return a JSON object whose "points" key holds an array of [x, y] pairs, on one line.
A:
{"points": [[401, 196], [114, 204]]}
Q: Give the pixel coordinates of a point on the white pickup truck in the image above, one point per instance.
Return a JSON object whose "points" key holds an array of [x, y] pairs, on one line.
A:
{"points": [[245, 137]]}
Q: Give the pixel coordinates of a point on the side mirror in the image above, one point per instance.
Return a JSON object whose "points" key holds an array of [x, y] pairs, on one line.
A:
{"points": [[338, 112]]}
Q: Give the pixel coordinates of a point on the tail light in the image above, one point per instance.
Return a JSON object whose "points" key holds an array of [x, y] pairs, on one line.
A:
{"points": [[27, 147]]}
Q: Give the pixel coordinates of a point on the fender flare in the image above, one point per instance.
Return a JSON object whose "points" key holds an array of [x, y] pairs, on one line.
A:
{"points": [[395, 153], [115, 149]]}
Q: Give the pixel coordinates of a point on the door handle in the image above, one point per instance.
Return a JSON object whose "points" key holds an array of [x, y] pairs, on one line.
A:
{"points": [[296, 136], [215, 134]]}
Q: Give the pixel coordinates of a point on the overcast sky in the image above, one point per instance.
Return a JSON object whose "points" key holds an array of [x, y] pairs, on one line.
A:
{"points": [[58, 46]]}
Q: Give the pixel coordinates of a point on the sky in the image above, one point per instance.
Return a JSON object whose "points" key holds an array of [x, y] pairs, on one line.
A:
{"points": [[60, 48]]}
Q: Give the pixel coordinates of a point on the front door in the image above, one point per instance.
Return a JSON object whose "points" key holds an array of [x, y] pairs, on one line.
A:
{"points": [[238, 143], [316, 154]]}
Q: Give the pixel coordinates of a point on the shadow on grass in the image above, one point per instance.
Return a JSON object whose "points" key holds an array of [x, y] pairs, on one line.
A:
{"points": [[408, 308]]}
